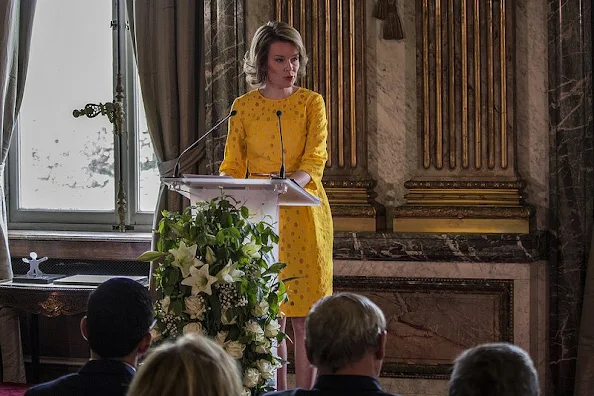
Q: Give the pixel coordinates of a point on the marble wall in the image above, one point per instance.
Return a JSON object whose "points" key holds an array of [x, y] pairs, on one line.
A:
{"points": [[391, 105], [529, 309], [571, 192], [532, 114], [392, 100]]}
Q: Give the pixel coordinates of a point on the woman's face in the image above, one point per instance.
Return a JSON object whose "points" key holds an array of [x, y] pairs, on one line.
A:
{"points": [[282, 65]]}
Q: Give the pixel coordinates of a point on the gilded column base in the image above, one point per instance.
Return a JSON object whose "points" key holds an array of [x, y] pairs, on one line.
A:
{"points": [[463, 207], [353, 206]]}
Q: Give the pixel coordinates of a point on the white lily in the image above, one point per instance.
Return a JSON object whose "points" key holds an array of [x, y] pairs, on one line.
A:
{"points": [[229, 273], [200, 280], [251, 249], [185, 258]]}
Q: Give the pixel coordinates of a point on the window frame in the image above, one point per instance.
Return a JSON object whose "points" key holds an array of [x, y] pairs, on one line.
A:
{"points": [[126, 163]]}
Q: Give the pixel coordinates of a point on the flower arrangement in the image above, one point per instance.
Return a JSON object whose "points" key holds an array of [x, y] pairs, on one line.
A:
{"points": [[215, 277]]}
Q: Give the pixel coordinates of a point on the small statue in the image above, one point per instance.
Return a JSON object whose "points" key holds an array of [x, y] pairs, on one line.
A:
{"points": [[34, 270]]}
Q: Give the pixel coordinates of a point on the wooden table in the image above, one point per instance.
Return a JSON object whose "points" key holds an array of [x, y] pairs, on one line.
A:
{"points": [[49, 300]]}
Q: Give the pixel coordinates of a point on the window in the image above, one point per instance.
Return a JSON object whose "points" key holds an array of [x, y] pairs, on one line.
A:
{"points": [[66, 172]]}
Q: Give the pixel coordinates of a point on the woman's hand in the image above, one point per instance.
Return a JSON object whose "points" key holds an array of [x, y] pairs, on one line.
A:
{"points": [[301, 177]]}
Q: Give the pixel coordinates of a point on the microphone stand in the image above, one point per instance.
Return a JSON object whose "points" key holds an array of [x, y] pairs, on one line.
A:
{"points": [[281, 173], [191, 146]]}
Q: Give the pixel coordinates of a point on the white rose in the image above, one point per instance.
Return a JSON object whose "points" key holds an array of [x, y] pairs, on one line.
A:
{"points": [[221, 337], [266, 368], [234, 349], [165, 304], [254, 329], [261, 309], [251, 377], [246, 392], [264, 347], [194, 327], [272, 329], [195, 306]]}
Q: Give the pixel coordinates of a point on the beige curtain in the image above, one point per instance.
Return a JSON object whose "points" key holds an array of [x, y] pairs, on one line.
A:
{"points": [[584, 377], [169, 44], [16, 19]]}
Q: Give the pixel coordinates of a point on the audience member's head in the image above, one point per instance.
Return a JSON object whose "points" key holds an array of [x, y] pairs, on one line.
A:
{"points": [[119, 319], [191, 366], [346, 334], [497, 369]]}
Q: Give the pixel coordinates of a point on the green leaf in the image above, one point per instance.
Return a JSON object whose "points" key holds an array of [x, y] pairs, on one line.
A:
{"points": [[245, 212], [221, 237], [173, 277], [177, 306], [177, 229], [275, 268], [151, 256]]}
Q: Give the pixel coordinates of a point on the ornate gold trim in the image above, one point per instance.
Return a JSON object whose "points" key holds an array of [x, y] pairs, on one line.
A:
{"points": [[438, 88], [366, 184], [452, 86], [426, 119], [463, 212], [502, 84], [352, 115], [490, 90], [477, 86], [462, 184], [471, 226], [464, 86]]}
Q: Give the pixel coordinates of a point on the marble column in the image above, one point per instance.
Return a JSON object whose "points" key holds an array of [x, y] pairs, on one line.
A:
{"points": [[224, 47], [334, 36], [467, 179], [571, 180]]}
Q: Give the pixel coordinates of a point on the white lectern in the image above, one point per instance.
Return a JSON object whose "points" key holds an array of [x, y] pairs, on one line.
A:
{"points": [[262, 197]]}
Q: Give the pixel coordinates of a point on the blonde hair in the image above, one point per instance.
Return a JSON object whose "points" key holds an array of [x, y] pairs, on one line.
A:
{"points": [[341, 329], [255, 60], [191, 366]]}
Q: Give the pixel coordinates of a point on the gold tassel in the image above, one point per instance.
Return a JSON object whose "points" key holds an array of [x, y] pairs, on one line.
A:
{"points": [[392, 25], [380, 11]]}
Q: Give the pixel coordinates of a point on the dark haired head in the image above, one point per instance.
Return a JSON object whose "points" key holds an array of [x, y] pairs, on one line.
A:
{"points": [[119, 315], [498, 369]]}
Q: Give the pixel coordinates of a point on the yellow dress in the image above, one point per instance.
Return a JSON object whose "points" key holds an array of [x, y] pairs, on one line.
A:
{"points": [[253, 145]]}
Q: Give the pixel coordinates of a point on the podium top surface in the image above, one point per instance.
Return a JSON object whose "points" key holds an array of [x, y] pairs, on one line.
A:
{"points": [[290, 193]]}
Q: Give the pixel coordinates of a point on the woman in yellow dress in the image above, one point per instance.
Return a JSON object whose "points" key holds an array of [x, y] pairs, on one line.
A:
{"points": [[275, 59]]}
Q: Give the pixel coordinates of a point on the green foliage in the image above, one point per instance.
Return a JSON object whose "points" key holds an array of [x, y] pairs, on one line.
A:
{"points": [[215, 275]]}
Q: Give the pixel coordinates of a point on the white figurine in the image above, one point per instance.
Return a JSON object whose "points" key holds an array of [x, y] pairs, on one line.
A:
{"points": [[34, 265]]}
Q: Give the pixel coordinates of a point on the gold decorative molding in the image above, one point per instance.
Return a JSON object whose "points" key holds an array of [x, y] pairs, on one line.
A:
{"points": [[334, 33], [353, 205], [464, 212], [412, 184], [464, 182]]}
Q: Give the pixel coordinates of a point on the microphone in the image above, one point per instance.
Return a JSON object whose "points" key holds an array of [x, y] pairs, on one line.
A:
{"points": [[191, 146], [281, 174]]}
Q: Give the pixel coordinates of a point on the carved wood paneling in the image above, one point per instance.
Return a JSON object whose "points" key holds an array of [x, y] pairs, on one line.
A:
{"points": [[466, 104]]}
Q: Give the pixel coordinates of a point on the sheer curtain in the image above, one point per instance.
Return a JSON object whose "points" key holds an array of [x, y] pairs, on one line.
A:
{"points": [[16, 20]]}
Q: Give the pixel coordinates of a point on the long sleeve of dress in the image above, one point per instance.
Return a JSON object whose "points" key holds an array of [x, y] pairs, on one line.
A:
{"points": [[315, 154], [235, 162]]}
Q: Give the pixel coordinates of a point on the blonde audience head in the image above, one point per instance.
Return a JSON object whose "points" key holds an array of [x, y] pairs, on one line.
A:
{"points": [[193, 365]]}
